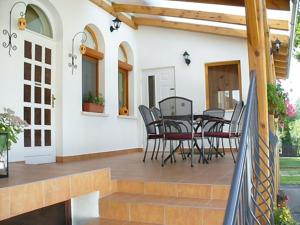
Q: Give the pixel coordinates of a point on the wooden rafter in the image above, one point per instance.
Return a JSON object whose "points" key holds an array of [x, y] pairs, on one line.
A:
{"points": [[271, 4], [280, 63], [190, 27], [201, 28], [193, 14], [108, 8]]}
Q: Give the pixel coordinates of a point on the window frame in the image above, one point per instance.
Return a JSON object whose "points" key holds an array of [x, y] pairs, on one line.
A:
{"points": [[95, 56], [124, 68], [125, 76], [222, 63], [87, 57]]}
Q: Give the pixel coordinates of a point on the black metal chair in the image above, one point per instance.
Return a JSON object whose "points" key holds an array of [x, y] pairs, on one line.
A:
{"points": [[233, 128], [177, 121], [157, 116], [211, 125], [151, 126]]}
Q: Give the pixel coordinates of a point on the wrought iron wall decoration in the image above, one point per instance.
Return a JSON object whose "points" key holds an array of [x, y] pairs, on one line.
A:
{"points": [[72, 55], [21, 26]]}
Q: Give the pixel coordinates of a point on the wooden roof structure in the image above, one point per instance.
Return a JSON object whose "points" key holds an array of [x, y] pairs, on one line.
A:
{"points": [[147, 15]]}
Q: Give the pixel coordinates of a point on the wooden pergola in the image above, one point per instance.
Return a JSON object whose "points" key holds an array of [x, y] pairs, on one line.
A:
{"points": [[257, 31], [138, 15]]}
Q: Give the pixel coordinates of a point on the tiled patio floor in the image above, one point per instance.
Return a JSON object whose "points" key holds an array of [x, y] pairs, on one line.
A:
{"points": [[130, 166]]}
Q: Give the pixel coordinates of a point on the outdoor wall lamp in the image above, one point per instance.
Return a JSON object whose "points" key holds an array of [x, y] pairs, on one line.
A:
{"points": [[82, 50], [21, 25], [116, 24], [276, 48], [186, 57]]}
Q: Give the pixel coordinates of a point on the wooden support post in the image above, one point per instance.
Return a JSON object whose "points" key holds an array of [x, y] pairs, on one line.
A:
{"points": [[258, 61]]}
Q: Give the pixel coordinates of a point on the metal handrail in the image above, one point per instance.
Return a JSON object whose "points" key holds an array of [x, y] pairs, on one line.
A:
{"points": [[252, 190]]}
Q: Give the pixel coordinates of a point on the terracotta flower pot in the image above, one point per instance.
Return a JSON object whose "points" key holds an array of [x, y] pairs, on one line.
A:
{"points": [[92, 107]]}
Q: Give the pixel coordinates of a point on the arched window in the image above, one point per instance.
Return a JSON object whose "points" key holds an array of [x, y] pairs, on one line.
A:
{"points": [[91, 67], [37, 21], [123, 83]]}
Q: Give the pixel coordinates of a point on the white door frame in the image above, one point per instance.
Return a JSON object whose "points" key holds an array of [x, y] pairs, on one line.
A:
{"points": [[41, 154]]}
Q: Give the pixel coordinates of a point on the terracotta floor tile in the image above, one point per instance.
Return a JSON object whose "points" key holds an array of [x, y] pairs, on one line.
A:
{"points": [[128, 167]]}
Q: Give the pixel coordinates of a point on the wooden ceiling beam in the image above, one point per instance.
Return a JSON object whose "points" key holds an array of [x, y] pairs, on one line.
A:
{"points": [[193, 14], [121, 16], [280, 63], [280, 75], [280, 69], [200, 28], [271, 4], [190, 27]]}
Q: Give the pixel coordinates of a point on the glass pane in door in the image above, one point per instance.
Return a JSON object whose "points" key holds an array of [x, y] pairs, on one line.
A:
{"points": [[151, 91]]}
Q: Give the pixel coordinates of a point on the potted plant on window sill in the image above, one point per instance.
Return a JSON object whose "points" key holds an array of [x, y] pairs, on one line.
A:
{"points": [[94, 103], [10, 127]]}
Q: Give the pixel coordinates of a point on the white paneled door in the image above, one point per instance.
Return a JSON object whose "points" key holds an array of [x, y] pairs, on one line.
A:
{"points": [[158, 84], [39, 100]]}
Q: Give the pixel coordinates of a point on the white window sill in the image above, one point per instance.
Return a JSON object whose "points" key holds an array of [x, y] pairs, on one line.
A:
{"points": [[127, 117], [94, 114]]}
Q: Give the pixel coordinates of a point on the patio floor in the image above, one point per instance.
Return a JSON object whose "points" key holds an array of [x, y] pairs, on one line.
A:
{"points": [[130, 166]]}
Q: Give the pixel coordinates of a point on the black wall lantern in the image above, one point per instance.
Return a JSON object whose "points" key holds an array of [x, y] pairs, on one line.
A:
{"points": [[116, 25], [21, 26], [276, 48], [186, 57]]}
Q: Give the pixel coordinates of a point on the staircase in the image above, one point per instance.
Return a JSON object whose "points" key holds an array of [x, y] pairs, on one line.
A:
{"points": [[138, 202]]}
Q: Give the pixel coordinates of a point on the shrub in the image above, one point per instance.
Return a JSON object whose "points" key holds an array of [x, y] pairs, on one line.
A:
{"points": [[283, 216]]}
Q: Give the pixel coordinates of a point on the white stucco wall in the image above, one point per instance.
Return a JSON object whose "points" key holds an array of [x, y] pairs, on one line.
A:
{"points": [[151, 48]]}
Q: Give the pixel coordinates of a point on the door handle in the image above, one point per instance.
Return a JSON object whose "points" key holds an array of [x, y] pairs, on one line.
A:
{"points": [[53, 101], [172, 89]]}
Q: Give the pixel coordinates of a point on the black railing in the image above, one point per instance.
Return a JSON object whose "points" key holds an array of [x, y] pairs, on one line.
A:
{"points": [[252, 190]]}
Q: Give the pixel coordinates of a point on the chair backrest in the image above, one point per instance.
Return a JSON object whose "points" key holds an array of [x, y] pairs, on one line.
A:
{"points": [[179, 109], [236, 115], [156, 113], [215, 112], [241, 121], [157, 116], [148, 118]]}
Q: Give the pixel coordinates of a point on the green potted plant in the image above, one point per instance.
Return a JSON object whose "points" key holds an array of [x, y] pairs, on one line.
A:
{"points": [[277, 98], [10, 127], [94, 103]]}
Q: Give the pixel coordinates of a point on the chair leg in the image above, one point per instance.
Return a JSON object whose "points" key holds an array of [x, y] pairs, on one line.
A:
{"points": [[223, 146], [146, 150], [236, 145], [157, 149], [171, 148], [192, 153], [153, 149], [182, 150], [174, 152], [229, 140], [163, 153]]}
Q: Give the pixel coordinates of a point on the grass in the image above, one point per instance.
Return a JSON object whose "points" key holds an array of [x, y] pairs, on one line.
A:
{"points": [[289, 162], [290, 170]]}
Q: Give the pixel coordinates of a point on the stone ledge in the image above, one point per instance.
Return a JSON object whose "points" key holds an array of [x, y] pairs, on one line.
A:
{"points": [[19, 199]]}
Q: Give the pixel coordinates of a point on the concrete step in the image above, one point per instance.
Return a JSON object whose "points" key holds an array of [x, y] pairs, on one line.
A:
{"points": [[165, 210], [173, 189]]}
